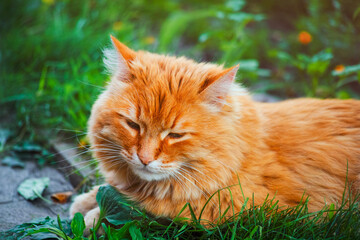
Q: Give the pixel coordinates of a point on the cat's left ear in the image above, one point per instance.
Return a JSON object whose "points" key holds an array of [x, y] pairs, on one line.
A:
{"points": [[216, 91]]}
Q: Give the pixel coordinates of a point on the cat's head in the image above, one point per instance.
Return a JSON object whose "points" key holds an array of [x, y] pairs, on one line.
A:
{"points": [[162, 117]]}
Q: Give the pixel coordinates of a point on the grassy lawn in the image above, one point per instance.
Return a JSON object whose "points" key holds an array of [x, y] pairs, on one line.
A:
{"points": [[51, 72], [267, 221]]}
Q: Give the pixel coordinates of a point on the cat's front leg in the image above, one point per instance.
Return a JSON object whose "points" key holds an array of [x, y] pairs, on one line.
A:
{"points": [[84, 202]]}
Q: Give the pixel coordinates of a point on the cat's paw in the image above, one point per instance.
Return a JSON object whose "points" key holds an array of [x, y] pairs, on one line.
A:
{"points": [[91, 218], [83, 204]]}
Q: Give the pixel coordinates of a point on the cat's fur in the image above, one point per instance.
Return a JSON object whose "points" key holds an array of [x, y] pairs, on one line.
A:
{"points": [[284, 149]]}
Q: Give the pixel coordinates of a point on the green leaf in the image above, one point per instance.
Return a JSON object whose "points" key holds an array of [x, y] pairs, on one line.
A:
{"points": [[121, 233], [319, 63], [177, 23], [253, 232], [47, 230], [322, 56], [115, 207], [331, 211], [356, 13], [343, 94], [248, 65], [135, 232], [244, 17], [28, 147], [235, 5], [78, 225], [347, 71], [32, 188], [13, 162]]}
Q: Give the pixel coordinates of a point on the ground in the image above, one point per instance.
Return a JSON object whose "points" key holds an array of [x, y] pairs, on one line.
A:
{"points": [[15, 209]]}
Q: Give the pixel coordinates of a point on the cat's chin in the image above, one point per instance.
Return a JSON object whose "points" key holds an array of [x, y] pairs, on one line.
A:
{"points": [[147, 175]]}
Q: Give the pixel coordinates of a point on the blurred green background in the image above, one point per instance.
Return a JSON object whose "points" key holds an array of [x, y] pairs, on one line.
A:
{"points": [[51, 68]]}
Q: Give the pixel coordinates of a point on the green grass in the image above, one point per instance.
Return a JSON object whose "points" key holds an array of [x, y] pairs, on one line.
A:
{"points": [[51, 51], [267, 221]]}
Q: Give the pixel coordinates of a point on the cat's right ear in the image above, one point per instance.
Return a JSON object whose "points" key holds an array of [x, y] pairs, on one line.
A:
{"points": [[126, 53], [118, 59]]}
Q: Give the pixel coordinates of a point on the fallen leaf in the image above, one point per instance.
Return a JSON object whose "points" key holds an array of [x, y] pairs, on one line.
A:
{"points": [[61, 197], [13, 162], [32, 188]]}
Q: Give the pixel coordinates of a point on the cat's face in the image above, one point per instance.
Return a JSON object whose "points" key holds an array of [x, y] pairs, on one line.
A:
{"points": [[159, 116], [152, 141]]}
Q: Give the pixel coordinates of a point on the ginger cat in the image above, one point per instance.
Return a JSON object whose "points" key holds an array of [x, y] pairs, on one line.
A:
{"points": [[168, 131]]}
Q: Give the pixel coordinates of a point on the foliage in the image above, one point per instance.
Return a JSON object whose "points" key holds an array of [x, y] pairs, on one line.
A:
{"points": [[32, 188], [267, 221], [49, 228], [12, 161], [50, 52]]}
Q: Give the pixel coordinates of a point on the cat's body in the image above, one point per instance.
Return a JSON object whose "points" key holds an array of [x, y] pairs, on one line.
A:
{"points": [[168, 131]]}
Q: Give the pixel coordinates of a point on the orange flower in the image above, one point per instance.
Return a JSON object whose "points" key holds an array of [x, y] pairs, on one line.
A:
{"points": [[304, 37], [339, 68]]}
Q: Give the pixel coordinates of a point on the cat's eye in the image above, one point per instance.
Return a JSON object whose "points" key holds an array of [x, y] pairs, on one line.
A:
{"points": [[175, 135], [133, 125]]}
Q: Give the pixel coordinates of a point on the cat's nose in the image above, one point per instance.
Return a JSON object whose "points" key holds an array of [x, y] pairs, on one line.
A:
{"points": [[144, 158]]}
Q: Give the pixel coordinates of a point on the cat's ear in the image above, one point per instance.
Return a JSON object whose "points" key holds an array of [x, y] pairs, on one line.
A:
{"points": [[118, 60], [215, 90], [127, 54]]}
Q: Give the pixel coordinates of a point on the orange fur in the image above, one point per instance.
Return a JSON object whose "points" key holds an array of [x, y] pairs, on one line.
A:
{"points": [[282, 149]]}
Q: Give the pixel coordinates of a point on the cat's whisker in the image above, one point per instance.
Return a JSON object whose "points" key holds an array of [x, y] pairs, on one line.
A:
{"points": [[106, 151], [97, 168], [91, 162], [201, 185], [111, 157], [110, 145], [193, 168], [114, 163], [207, 176], [177, 177], [178, 180], [69, 130], [81, 163], [62, 151], [87, 151], [76, 136], [107, 140], [207, 195], [129, 160], [183, 175], [91, 172], [92, 85], [80, 169]]}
